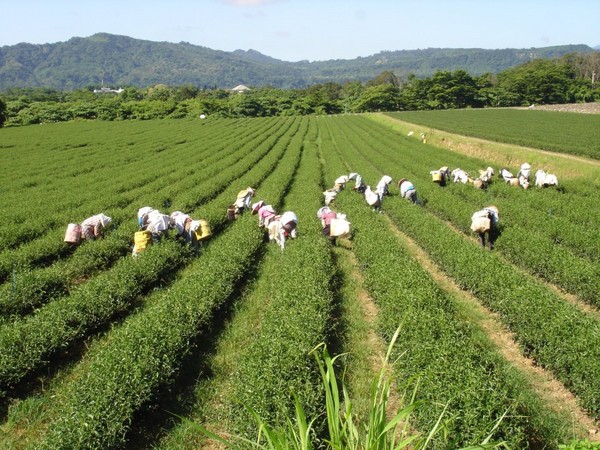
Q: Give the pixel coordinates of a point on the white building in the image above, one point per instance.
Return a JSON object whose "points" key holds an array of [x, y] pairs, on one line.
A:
{"points": [[240, 89]]}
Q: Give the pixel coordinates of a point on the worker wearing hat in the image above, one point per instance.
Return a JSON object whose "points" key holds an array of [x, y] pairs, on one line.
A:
{"points": [[243, 200]]}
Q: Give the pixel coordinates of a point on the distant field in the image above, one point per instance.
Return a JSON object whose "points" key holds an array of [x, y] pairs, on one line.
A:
{"points": [[576, 134]]}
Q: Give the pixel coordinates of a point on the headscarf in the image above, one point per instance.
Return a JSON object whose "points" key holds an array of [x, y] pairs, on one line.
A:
{"points": [[256, 206], [341, 180], [323, 210], [104, 220], [288, 217]]}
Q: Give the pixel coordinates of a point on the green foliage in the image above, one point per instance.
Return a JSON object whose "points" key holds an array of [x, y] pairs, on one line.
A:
{"points": [[538, 82], [123, 61], [522, 301], [3, 113], [198, 167], [567, 79], [344, 431], [577, 134]]}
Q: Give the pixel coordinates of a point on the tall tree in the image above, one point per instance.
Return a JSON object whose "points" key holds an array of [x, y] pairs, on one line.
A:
{"points": [[2, 113]]}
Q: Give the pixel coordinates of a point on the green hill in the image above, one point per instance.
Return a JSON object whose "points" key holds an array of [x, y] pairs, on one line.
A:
{"points": [[125, 61]]}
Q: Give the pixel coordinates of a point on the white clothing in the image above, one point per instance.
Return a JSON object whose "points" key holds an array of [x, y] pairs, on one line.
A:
{"points": [[524, 174], [405, 187], [460, 175], [288, 217], [382, 186], [98, 219], [143, 211], [341, 180], [157, 222], [329, 195], [543, 179], [277, 233], [371, 197], [506, 174], [179, 218]]}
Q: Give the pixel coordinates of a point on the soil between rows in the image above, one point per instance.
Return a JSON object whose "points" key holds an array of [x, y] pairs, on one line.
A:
{"points": [[552, 391]]}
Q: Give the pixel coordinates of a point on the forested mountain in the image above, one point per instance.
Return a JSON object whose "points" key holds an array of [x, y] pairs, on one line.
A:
{"points": [[124, 61]]}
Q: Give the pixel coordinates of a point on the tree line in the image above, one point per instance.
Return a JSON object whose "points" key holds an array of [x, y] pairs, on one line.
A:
{"points": [[569, 79]]}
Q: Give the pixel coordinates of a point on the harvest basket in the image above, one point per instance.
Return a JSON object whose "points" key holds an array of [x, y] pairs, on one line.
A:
{"points": [[339, 227], [203, 232], [480, 224], [142, 239], [73, 234]]}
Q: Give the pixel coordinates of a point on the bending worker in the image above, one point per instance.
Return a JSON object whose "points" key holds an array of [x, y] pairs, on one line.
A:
{"points": [[373, 199], [283, 227], [156, 223], [407, 190], [325, 214], [524, 175], [359, 186], [266, 213], [340, 183], [243, 200], [486, 221], [382, 186], [183, 224], [91, 228]]}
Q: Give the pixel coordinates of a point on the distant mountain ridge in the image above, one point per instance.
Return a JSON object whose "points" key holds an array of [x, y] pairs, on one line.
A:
{"points": [[124, 61]]}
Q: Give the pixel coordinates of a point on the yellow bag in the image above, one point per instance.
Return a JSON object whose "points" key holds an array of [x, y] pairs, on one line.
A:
{"points": [[203, 232], [436, 177], [142, 240]]}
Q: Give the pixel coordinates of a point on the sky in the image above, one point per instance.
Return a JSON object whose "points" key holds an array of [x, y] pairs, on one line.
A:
{"points": [[313, 30]]}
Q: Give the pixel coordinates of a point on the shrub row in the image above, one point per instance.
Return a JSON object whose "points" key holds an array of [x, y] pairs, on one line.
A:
{"points": [[450, 359], [556, 334], [533, 245], [48, 338], [276, 364], [146, 352]]}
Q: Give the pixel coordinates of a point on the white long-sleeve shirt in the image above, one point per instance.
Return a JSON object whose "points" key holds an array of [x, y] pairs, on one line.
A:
{"points": [[157, 222], [382, 186], [179, 218], [405, 187], [357, 179]]}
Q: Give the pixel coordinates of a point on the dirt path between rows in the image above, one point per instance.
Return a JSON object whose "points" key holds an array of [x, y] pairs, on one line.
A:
{"points": [[374, 341], [570, 298], [554, 394]]}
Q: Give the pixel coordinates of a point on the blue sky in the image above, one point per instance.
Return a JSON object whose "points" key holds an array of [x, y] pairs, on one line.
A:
{"points": [[294, 30]]}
